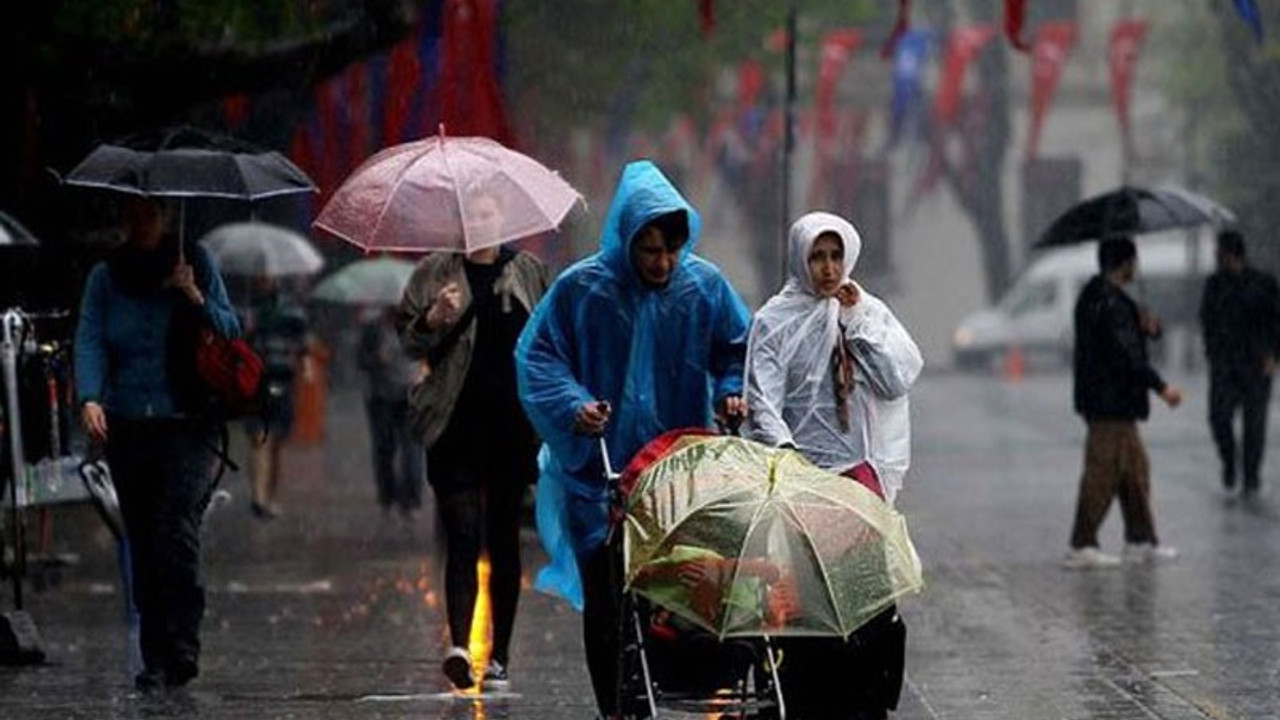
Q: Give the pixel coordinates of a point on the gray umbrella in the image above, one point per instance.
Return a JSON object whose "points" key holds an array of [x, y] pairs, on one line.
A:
{"points": [[187, 162], [13, 234], [373, 281], [1134, 211], [259, 249]]}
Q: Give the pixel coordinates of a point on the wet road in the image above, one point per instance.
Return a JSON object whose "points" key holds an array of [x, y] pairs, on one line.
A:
{"points": [[335, 612]]}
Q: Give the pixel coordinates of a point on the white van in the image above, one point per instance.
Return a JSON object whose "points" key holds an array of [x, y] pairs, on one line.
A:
{"points": [[1036, 314]]}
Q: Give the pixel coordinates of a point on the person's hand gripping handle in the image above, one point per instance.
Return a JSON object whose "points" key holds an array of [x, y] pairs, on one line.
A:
{"points": [[592, 418]]}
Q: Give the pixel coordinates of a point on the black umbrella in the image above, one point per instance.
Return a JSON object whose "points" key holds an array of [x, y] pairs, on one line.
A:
{"points": [[1134, 211], [13, 234], [187, 162]]}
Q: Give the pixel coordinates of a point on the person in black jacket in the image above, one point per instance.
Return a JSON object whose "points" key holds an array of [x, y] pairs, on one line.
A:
{"points": [[1112, 379], [1240, 319]]}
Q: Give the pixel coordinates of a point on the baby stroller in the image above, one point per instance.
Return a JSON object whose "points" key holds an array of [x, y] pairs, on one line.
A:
{"points": [[736, 561]]}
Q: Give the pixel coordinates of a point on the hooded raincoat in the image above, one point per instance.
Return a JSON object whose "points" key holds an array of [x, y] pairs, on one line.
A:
{"points": [[790, 382], [661, 356]]}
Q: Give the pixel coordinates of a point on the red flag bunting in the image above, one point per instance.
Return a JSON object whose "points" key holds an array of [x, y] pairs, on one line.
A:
{"points": [[900, 28], [468, 94], [750, 83], [327, 172], [707, 16], [404, 70], [963, 45], [1053, 44], [837, 46], [776, 40], [1126, 43], [1015, 15], [359, 127]]}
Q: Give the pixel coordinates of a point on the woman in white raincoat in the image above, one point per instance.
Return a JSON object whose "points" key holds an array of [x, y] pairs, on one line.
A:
{"points": [[828, 370], [843, 405]]}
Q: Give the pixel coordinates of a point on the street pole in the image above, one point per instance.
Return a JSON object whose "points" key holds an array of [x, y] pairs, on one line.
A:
{"points": [[10, 330], [20, 642], [1191, 349], [789, 132]]}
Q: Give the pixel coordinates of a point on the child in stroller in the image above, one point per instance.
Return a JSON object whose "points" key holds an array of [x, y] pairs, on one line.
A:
{"points": [[684, 611]]}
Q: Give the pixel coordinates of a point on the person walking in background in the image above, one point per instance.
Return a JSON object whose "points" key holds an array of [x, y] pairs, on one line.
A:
{"points": [[640, 338], [1240, 320], [461, 316], [276, 327], [397, 454], [828, 371], [129, 384], [1112, 378]]}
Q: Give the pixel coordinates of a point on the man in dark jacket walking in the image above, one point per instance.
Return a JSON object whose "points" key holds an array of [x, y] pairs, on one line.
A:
{"points": [[1240, 319], [1112, 378]]}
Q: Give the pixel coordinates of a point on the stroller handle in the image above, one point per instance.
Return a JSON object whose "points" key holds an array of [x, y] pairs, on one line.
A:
{"points": [[609, 474]]}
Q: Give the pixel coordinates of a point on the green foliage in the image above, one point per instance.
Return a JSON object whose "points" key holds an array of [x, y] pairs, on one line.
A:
{"points": [[199, 22]]}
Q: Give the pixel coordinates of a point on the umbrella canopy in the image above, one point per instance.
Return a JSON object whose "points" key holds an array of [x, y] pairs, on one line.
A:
{"points": [[259, 249], [188, 162], [13, 234], [744, 539], [1134, 211], [375, 281], [446, 194]]}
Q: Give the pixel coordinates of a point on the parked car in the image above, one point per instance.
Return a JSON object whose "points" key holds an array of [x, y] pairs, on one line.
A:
{"points": [[1036, 314]]}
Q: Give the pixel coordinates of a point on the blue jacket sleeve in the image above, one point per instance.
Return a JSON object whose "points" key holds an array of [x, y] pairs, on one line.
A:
{"points": [[217, 306], [729, 343], [90, 351], [545, 371]]}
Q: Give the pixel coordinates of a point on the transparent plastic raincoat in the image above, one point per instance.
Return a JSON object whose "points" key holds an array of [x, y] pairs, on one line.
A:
{"points": [[661, 356], [789, 379]]}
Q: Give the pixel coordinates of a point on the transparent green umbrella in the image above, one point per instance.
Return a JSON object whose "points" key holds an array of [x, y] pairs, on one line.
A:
{"points": [[375, 281], [748, 540]]}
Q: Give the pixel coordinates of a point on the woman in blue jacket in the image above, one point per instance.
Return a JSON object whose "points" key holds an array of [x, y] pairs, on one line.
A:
{"points": [[130, 387], [637, 339]]}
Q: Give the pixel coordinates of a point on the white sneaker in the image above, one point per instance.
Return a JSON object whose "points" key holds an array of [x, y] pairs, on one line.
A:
{"points": [[457, 667], [1089, 558], [495, 677], [1148, 553]]}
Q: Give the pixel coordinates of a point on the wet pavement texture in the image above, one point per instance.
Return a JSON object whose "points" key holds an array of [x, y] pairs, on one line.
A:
{"points": [[334, 611]]}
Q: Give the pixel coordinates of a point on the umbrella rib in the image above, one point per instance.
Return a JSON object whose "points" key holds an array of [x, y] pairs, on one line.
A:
{"points": [[737, 566], [691, 512], [395, 189], [457, 192], [822, 567], [548, 213]]}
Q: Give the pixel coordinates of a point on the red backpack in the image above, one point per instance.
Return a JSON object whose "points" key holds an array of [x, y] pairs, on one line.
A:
{"points": [[230, 371]]}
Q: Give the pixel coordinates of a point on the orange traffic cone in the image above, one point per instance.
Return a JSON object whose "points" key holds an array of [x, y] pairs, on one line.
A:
{"points": [[310, 391], [1014, 364]]}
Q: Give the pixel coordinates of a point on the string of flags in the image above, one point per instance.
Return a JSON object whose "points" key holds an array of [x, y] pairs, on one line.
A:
{"points": [[1015, 16]]}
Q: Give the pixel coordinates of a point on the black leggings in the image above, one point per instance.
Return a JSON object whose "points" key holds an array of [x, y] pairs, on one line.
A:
{"points": [[161, 473], [474, 516]]}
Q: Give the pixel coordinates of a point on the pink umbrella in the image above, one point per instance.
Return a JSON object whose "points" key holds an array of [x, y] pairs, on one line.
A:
{"points": [[446, 194]]}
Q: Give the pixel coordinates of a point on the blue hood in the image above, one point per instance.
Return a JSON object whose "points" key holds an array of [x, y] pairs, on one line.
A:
{"points": [[643, 194]]}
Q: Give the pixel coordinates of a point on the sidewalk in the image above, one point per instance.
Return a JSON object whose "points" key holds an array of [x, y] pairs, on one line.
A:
{"points": [[332, 612]]}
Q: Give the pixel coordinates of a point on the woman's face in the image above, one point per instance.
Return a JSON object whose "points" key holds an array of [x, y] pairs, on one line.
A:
{"points": [[145, 220], [826, 264], [484, 222]]}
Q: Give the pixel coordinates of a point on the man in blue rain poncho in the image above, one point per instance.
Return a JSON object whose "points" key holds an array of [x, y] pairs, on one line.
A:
{"points": [[640, 338]]}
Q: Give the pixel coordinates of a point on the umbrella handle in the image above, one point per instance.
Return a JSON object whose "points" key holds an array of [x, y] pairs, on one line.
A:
{"points": [[182, 231], [609, 474]]}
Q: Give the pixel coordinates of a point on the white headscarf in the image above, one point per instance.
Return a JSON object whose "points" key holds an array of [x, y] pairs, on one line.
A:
{"points": [[789, 383], [798, 296]]}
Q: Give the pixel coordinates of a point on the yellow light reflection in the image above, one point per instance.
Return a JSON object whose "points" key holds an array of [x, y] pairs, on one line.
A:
{"points": [[480, 644]]}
